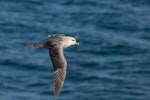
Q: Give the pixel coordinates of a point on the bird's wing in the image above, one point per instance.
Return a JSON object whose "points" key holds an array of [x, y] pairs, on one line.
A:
{"points": [[55, 35], [36, 45], [59, 65]]}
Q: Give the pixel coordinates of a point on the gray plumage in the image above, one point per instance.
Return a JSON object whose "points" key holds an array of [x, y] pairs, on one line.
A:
{"points": [[55, 43]]}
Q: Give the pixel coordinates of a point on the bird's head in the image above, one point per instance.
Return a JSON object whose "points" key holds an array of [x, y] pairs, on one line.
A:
{"points": [[68, 41]]}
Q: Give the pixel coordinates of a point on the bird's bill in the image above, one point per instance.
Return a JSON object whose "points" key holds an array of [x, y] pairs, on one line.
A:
{"points": [[77, 43]]}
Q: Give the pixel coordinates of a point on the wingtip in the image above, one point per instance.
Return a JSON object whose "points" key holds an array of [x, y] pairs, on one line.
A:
{"points": [[49, 35], [56, 95], [30, 45]]}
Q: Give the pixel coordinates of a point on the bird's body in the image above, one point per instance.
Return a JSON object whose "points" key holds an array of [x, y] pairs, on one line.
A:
{"points": [[56, 43]]}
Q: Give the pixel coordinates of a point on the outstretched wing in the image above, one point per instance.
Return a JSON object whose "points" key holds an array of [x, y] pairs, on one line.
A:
{"points": [[55, 35], [59, 65], [36, 45]]}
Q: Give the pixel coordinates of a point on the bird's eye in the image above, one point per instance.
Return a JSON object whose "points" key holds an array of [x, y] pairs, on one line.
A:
{"points": [[73, 40]]}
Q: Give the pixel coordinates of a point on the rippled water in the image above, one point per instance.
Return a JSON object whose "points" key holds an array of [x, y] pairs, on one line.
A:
{"points": [[111, 63]]}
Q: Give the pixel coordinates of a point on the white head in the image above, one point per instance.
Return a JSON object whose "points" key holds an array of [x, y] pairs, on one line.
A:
{"points": [[68, 41]]}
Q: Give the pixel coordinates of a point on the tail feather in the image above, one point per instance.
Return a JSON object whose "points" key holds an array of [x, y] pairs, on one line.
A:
{"points": [[35, 45]]}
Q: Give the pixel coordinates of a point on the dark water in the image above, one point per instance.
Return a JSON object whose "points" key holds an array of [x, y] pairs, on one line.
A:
{"points": [[111, 63]]}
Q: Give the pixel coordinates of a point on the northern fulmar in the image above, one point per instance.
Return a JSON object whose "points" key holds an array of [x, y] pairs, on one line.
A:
{"points": [[56, 43]]}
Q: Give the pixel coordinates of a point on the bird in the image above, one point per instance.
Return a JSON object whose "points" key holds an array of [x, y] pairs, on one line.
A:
{"points": [[56, 43]]}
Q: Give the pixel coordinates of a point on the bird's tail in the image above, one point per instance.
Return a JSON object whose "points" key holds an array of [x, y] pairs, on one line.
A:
{"points": [[35, 45]]}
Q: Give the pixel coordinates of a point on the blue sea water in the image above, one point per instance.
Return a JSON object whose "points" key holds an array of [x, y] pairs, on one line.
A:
{"points": [[112, 61]]}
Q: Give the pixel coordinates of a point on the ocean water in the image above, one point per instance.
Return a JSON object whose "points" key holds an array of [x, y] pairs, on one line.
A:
{"points": [[112, 61]]}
